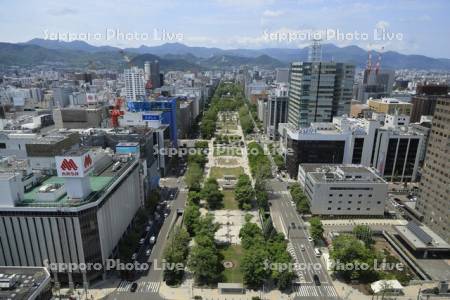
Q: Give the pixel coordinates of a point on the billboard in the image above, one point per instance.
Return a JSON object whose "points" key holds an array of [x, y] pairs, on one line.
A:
{"points": [[74, 165], [151, 117]]}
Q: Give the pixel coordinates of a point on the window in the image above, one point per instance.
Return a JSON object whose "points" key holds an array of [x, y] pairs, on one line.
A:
{"points": [[350, 195], [331, 195], [339, 208], [370, 195], [330, 201], [2, 146], [329, 208], [349, 202], [340, 195], [360, 195], [348, 208], [359, 208], [368, 208], [359, 202], [378, 202]]}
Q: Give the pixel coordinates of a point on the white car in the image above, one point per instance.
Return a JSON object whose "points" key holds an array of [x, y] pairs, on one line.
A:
{"points": [[141, 241], [302, 247], [310, 239], [148, 252], [152, 239], [134, 256]]}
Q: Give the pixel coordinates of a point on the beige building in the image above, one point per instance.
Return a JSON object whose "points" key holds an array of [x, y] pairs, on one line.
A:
{"points": [[434, 199], [389, 106]]}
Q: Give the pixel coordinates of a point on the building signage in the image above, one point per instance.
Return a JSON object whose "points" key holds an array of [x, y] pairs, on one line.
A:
{"points": [[73, 166], [150, 117]]}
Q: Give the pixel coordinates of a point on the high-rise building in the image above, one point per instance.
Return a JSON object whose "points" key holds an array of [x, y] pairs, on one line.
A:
{"points": [[375, 84], [152, 73], [282, 75], [424, 102], [277, 110], [318, 91], [134, 83], [434, 201], [61, 96]]}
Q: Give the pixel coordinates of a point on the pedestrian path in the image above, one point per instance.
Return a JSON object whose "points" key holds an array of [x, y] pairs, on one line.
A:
{"points": [[143, 287], [315, 291]]}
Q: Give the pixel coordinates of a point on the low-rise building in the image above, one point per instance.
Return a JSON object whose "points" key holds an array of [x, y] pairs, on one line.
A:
{"points": [[343, 189]]}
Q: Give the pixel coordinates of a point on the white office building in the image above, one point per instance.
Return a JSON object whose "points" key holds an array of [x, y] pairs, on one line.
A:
{"points": [[343, 189], [393, 150], [134, 83]]}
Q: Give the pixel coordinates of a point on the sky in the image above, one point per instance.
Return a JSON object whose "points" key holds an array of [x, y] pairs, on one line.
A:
{"points": [[406, 26]]}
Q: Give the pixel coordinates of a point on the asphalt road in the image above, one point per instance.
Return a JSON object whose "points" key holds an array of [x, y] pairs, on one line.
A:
{"points": [[149, 282], [307, 263]]}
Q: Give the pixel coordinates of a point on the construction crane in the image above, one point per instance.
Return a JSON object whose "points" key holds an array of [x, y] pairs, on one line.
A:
{"points": [[378, 65], [116, 112]]}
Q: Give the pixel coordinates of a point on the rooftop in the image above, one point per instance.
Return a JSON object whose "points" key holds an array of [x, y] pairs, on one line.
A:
{"points": [[99, 184], [326, 173], [423, 238], [25, 282]]}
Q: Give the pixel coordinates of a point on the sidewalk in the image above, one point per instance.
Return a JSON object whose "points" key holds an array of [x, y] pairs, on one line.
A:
{"points": [[213, 294], [97, 291]]}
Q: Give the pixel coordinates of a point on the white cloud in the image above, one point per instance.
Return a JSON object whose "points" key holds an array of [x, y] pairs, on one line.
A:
{"points": [[272, 13], [382, 25]]}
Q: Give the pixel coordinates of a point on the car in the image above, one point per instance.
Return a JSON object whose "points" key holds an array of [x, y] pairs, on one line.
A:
{"points": [[150, 222], [178, 180], [142, 241], [317, 252], [316, 279], [302, 247], [148, 252], [134, 256], [133, 287], [293, 225], [147, 228], [152, 239], [166, 215], [310, 239]]}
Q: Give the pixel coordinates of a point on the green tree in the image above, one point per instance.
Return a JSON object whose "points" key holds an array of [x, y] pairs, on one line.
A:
{"points": [[316, 229], [244, 192], [194, 197], [212, 194], [363, 233], [191, 218], [194, 176], [176, 252], [254, 267], [347, 249]]}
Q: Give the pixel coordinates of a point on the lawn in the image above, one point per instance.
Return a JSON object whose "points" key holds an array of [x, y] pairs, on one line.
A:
{"points": [[227, 161], [218, 172], [232, 272], [227, 151], [229, 202]]}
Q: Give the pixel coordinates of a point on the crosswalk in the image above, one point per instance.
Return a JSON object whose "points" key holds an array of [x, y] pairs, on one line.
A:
{"points": [[143, 287], [315, 291], [298, 272]]}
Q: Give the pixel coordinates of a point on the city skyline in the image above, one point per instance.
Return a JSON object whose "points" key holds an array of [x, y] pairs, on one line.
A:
{"points": [[402, 26]]}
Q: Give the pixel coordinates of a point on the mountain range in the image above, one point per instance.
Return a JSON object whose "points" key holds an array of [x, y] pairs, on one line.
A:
{"points": [[177, 56]]}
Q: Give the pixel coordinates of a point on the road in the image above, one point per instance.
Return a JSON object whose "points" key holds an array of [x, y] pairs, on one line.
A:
{"points": [[284, 214], [149, 283]]}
